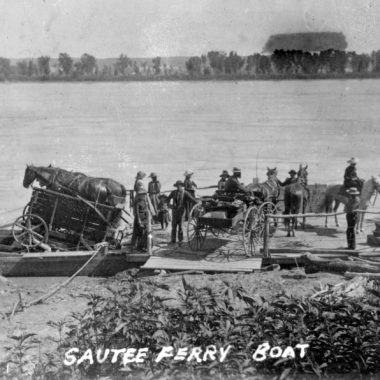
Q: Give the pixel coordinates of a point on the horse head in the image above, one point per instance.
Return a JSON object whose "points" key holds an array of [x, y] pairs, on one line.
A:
{"points": [[29, 176], [271, 172], [302, 172]]}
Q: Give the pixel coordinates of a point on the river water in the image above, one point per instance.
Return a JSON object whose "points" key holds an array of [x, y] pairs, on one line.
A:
{"points": [[115, 129]]}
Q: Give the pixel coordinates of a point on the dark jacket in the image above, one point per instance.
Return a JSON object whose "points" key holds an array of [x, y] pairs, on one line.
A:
{"points": [[141, 209], [352, 205], [350, 173], [222, 184], [288, 181], [180, 199], [154, 187], [234, 186]]}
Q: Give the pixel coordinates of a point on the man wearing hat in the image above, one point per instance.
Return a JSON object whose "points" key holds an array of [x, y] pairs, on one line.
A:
{"points": [[141, 213], [351, 178], [233, 185], [223, 179], [289, 180], [180, 198], [154, 189], [190, 187], [351, 215]]}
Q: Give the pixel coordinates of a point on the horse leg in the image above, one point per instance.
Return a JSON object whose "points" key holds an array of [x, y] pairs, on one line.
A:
{"points": [[327, 210], [336, 206], [359, 224]]}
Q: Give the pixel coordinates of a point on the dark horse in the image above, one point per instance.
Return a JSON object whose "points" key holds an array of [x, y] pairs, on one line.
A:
{"points": [[296, 199], [101, 190]]}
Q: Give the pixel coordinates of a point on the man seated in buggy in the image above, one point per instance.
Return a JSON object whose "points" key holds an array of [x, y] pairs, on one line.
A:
{"points": [[234, 190]]}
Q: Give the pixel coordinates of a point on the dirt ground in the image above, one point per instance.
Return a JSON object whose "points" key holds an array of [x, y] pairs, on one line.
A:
{"points": [[267, 284]]}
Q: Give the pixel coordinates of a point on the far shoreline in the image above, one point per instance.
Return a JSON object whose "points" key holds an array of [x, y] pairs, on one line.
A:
{"points": [[188, 78]]}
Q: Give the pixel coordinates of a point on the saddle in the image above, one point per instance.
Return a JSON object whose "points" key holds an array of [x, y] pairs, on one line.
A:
{"points": [[354, 182]]}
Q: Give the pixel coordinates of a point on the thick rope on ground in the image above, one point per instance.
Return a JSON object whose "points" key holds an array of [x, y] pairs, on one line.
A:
{"points": [[60, 286]]}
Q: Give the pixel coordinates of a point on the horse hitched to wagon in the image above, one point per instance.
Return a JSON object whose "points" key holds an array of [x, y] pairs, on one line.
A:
{"points": [[239, 215], [72, 211]]}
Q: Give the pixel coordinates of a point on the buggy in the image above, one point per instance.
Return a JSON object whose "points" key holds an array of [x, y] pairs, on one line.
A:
{"points": [[240, 215]]}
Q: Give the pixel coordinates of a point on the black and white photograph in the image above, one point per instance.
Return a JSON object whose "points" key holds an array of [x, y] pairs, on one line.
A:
{"points": [[188, 189]]}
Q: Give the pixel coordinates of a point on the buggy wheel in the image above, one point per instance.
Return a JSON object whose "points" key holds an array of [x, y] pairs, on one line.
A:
{"points": [[30, 230], [251, 230], [196, 232], [265, 209]]}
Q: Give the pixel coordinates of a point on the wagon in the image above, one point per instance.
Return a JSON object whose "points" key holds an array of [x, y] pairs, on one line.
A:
{"points": [[239, 215], [60, 219]]}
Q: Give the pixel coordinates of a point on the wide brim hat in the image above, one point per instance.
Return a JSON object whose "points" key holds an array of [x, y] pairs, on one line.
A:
{"points": [[153, 175], [188, 172], [179, 183], [353, 160], [236, 170], [225, 174], [140, 175], [353, 191], [292, 172]]}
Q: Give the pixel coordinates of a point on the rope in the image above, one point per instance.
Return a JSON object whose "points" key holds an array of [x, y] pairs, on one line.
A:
{"points": [[60, 286]]}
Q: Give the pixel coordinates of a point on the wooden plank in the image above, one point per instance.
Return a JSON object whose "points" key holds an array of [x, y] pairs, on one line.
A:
{"points": [[327, 251], [244, 265]]}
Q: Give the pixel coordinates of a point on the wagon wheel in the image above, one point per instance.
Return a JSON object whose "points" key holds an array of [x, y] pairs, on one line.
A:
{"points": [[265, 209], [196, 232], [34, 230], [251, 230]]}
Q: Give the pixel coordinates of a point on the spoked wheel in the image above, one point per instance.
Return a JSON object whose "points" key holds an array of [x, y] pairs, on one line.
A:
{"points": [[265, 209], [251, 230], [30, 230], [196, 232]]}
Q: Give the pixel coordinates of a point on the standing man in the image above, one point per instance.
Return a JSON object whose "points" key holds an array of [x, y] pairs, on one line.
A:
{"points": [[233, 185], [180, 198], [289, 180], [351, 215], [154, 189], [139, 181], [190, 187], [141, 220], [223, 179]]}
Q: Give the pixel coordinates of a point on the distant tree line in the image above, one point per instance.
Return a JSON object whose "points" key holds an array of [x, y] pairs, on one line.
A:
{"points": [[84, 68], [284, 63], [214, 64]]}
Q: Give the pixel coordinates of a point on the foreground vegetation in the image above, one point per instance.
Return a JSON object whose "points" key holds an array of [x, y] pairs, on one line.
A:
{"points": [[343, 334], [280, 64]]}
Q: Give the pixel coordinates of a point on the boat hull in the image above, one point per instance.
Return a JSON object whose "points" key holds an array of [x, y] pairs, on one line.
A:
{"points": [[67, 263]]}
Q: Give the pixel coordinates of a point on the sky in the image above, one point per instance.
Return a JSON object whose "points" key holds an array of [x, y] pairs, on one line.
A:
{"points": [[148, 28]]}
